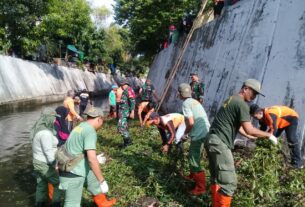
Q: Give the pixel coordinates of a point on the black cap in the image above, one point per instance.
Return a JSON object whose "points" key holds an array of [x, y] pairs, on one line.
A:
{"points": [[254, 108]]}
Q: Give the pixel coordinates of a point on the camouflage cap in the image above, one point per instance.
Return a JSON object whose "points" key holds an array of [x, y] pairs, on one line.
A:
{"points": [[94, 112], [185, 90], [191, 74]]}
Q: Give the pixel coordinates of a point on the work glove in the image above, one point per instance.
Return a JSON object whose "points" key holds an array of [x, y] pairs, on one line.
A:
{"points": [[104, 186], [273, 139]]}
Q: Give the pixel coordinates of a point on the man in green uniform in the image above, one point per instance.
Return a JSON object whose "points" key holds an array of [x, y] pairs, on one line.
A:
{"points": [[82, 142], [197, 87], [126, 110], [232, 117], [197, 126], [147, 92]]}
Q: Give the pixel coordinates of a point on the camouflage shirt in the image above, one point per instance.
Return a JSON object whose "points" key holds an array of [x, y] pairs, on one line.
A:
{"points": [[197, 90], [147, 92], [127, 101]]}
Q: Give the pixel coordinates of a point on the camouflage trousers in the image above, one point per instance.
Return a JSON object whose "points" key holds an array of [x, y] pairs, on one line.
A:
{"points": [[123, 123]]}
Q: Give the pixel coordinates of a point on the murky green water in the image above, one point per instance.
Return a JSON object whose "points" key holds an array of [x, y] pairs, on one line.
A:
{"points": [[17, 182]]}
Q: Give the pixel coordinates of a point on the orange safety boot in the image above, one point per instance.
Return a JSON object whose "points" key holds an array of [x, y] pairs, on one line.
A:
{"points": [[214, 189], [223, 200], [199, 178], [101, 201], [50, 191]]}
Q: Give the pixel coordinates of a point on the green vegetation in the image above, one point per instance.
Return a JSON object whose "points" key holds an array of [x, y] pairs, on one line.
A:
{"points": [[142, 170]]}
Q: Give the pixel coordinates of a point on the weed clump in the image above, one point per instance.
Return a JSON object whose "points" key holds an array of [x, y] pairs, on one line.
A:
{"points": [[141, 171]]}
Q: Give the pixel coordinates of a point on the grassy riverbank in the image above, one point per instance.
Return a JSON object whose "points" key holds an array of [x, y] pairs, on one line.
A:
{"points": [[142, 171]]}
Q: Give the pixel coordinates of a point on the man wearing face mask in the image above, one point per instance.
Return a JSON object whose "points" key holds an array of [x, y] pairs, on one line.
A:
{"points": [[232, 117]]}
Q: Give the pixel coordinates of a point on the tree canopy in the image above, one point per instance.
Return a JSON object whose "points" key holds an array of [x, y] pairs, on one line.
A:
{"points": [[148, 20]]}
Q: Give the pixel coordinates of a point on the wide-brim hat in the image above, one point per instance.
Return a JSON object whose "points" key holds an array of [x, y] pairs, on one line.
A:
{"points": [[255, 85]]}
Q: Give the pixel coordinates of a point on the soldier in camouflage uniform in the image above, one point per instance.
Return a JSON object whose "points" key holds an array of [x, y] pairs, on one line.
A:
{"points": [[126, 110], [197, 88], [147, 92]]}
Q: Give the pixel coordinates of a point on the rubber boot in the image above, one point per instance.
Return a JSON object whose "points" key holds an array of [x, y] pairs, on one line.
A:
{"points": [[101, 201], [50, 191], [127, 141], [223, 200], [199, 178], [41, 204], [214, 190], [55, 204]]}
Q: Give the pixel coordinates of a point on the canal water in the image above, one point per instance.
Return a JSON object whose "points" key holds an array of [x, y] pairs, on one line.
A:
{"points": [[17, 182]]}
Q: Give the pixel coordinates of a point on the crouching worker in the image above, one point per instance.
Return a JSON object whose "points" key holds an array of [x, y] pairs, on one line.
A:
{"points": [[44, 146], [278, 119], [145, 109], [174, 124], [197, 126], [78, 164]]}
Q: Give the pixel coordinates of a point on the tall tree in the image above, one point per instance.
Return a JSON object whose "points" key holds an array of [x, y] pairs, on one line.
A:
{"points": [[148, 20], [18, 18]]}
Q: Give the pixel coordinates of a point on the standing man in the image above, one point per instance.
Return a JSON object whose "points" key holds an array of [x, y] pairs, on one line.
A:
{"points": [[197, 87], [84, 100], [279, 119], [126, 110], [112, 101], [233, 116], [82, 146], [147, 92], [69, 104], [197, 126]]}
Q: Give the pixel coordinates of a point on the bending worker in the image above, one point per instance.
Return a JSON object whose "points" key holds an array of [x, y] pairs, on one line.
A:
{"points": [[174, 124], [145, 109], [233, 116], [279, 119], [84, 167], [197, 126]]}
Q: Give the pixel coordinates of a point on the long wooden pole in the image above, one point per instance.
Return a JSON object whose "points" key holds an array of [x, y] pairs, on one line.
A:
{"points": [[177, 64]]}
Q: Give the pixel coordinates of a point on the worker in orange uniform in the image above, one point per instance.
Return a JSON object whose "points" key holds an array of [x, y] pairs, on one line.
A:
{"points": [[278, 119], [69, 104]]}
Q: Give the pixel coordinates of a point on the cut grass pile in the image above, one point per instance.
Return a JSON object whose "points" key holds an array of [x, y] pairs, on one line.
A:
{"points": [[142, 171]]}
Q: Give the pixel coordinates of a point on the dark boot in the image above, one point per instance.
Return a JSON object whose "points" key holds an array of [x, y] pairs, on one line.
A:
{"points": [[41, 204], [127, 141], [55, 204]]}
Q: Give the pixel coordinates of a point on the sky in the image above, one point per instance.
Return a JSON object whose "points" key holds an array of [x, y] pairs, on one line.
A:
{"points": [[107, 3]]}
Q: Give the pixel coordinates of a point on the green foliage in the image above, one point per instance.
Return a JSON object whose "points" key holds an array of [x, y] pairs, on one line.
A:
{"points": [[142, 170], [18, 19], [149, 20]]}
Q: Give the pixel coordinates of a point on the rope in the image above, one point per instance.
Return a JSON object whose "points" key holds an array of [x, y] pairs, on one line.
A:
{"points": [[174, 70]]}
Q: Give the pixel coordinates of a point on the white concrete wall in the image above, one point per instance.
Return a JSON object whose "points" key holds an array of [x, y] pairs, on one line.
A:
{"points": [[22, 80], [262, 39]]}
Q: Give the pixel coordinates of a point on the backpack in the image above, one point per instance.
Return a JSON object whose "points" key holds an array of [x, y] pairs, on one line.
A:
{"points": [[65, 161]]}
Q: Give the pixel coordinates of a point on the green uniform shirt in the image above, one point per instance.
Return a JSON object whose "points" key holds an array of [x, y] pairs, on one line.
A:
{"points": [[192, 108], [82, 138], [228, 119], [197, 90]]}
